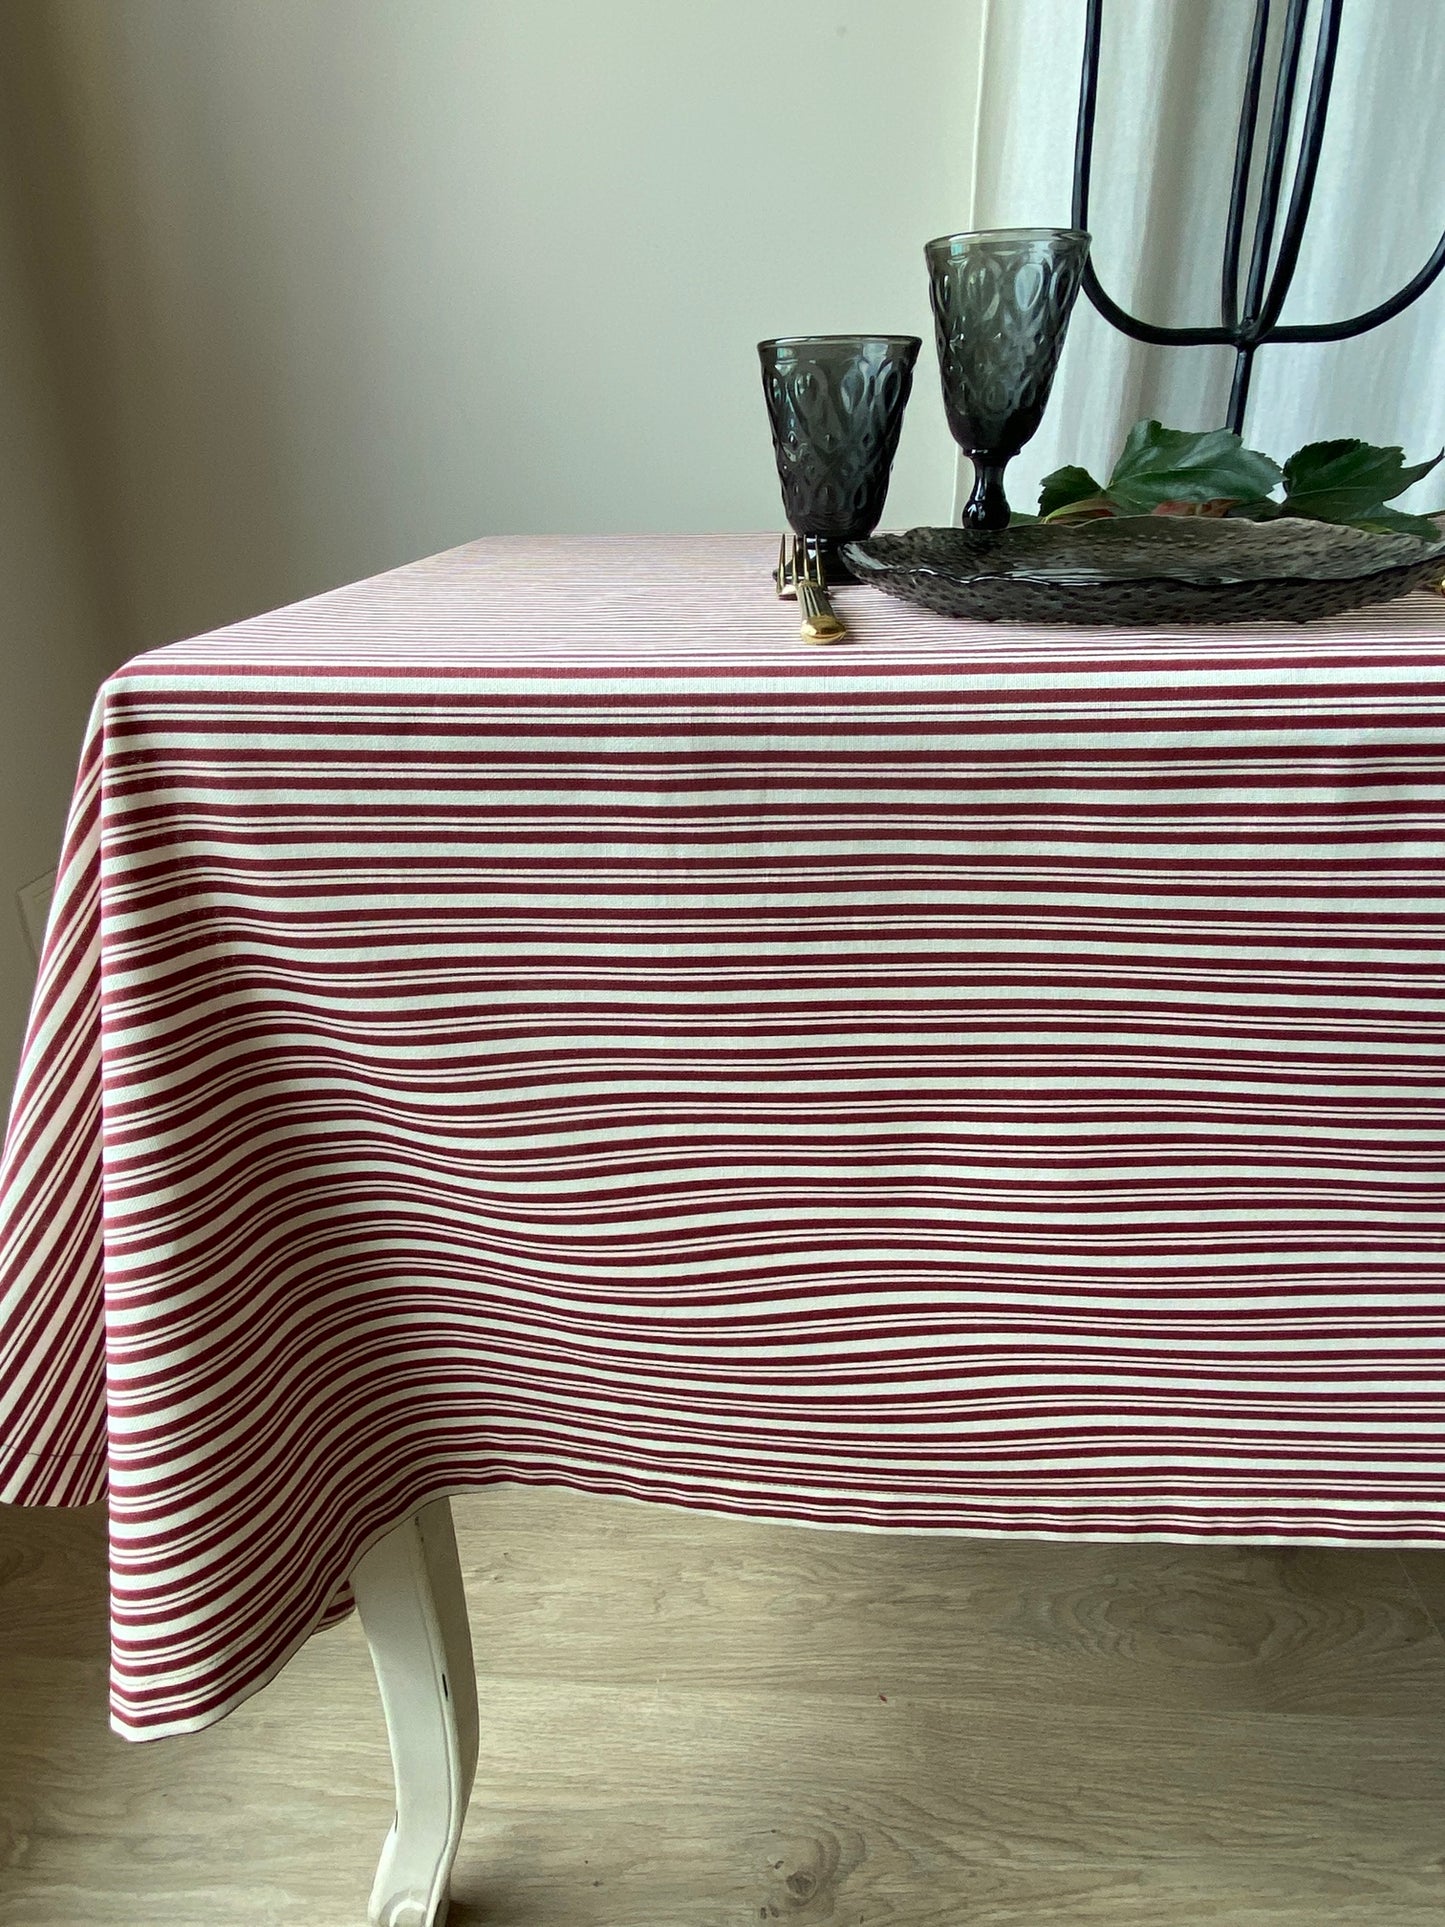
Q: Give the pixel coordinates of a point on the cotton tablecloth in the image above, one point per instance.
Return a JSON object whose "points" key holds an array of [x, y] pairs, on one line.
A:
{"points": [[530, 1017]]}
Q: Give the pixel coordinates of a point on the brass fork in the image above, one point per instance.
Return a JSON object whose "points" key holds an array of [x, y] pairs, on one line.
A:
{"points": [[799, 574]]}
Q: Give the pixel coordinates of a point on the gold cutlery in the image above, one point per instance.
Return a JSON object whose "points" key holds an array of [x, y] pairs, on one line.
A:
{"points": [[799, 575]]}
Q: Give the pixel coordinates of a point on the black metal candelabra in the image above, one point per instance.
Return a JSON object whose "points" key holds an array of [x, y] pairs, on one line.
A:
{"points": [[1250, 321]]}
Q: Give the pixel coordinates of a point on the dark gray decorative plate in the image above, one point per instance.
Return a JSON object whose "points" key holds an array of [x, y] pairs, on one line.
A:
{"points": [[1146, 569]]}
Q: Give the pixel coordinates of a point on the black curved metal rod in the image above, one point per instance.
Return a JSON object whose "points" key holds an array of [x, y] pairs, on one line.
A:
{"points": [[1282, 114], [1360, 324], [1269, 289], [1239, 390], [1266, 290], [1243, 162], [1312, 135], [1083, 168]]}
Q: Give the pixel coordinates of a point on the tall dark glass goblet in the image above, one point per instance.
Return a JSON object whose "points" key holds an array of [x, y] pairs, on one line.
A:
{"points": [[836, 405], [1001, 305]]}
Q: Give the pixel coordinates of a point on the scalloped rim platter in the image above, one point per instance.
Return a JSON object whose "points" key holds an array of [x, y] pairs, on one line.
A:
{"points": [[1140, 570]]}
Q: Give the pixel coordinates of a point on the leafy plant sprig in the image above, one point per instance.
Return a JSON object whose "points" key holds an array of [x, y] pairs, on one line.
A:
{"points": [[1176, 471]]}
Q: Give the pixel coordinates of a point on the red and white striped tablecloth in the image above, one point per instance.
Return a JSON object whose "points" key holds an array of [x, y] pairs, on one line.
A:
{"points": [[529, 1017]]}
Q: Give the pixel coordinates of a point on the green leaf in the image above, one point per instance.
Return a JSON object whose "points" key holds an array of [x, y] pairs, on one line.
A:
{"points": [[1344, 481], [1183, 471], [1388, 521], [1064, 487], [1161, 464]]}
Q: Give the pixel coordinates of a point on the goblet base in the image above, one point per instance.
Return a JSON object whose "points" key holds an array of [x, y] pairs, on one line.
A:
{"points": [[829, 551]]}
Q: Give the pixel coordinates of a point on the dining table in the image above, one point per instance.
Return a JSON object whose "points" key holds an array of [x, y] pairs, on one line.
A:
{"points": [[530, 1017]]}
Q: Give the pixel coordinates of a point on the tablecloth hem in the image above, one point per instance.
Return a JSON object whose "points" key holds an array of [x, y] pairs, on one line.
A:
{"points": [[340, 1605], [1433, 1540], [57, 1479]]}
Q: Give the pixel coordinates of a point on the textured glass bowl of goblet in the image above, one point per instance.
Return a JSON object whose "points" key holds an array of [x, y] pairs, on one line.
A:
{"points": [[835, 405], [1001, 305]]}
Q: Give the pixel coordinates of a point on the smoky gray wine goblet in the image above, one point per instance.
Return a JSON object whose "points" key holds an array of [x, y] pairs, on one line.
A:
{"points": [[835, 403], [1001, 305]]}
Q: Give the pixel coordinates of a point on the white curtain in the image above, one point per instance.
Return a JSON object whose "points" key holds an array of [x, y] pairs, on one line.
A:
{"points": [[1172, 75]]}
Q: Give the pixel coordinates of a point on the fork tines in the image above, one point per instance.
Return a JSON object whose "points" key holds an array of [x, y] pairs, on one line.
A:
{"points": [[800, 559]]}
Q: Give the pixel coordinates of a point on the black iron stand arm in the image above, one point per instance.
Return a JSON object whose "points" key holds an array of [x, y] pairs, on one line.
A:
{"points": [[1255, 323]]}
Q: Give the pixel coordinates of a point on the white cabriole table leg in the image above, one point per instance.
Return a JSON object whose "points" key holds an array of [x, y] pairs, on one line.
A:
{"points": [[414, 1613]]}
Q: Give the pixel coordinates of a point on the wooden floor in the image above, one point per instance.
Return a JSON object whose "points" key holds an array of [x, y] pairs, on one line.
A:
{"points": [[693, 1722]]}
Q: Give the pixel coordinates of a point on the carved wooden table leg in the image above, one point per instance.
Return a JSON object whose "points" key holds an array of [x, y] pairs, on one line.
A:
{"points": [[414, 1614]]}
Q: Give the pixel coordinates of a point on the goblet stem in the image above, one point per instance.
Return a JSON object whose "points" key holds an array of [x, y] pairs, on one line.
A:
{"points": [[987, 507]]}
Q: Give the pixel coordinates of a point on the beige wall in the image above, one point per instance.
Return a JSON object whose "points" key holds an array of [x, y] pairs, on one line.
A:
{"points": [[292, 291], [52, 625], [379, 275]]}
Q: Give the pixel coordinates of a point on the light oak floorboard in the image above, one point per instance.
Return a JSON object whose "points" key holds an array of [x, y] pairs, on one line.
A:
{"points": [[699, 1722]]}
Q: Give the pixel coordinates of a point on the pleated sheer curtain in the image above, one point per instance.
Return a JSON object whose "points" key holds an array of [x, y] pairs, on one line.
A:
{"points": [[1171, 80]]}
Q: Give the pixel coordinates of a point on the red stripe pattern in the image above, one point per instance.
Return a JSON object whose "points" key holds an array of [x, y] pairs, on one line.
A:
{"points": [[529, 1017]]}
